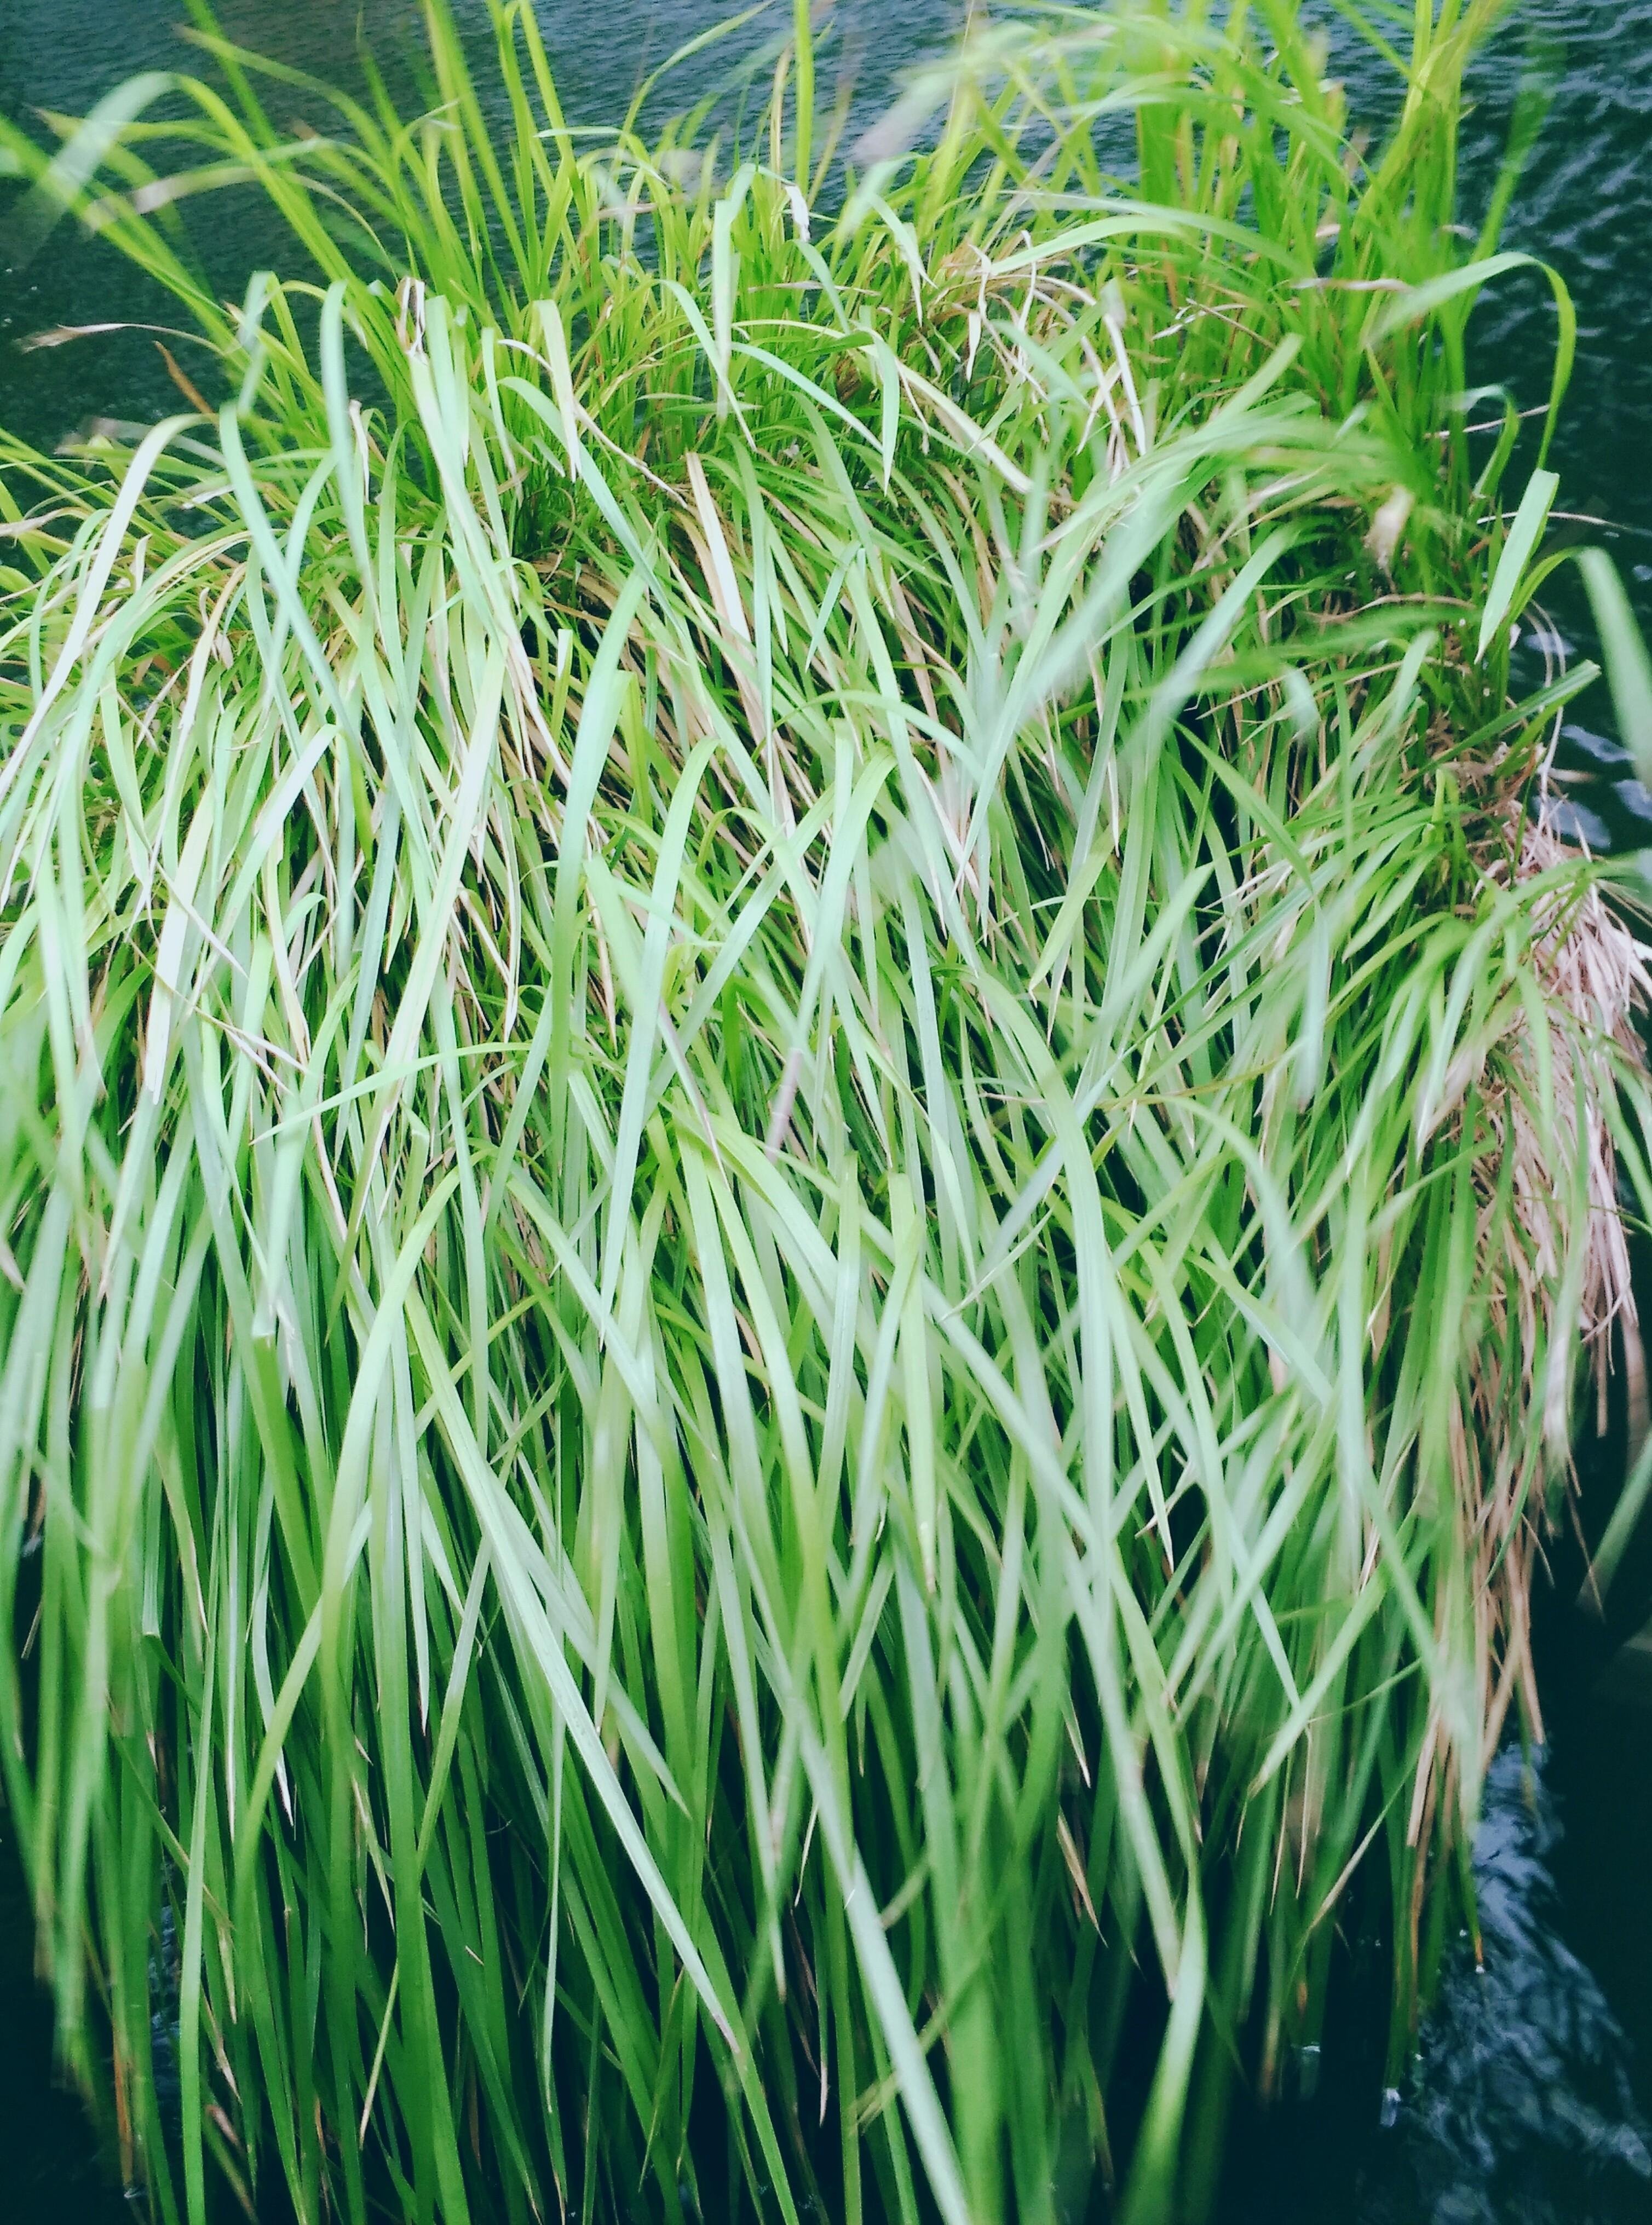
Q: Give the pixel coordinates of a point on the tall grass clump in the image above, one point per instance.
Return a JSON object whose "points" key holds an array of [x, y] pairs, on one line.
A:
{"points": [[807, 1143]]}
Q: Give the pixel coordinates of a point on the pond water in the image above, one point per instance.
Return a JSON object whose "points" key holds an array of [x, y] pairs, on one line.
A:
{"points": [[1533, 2095]]}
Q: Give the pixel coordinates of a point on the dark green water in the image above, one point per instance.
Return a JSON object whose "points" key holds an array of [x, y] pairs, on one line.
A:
{"points": [[1536, 2083]]}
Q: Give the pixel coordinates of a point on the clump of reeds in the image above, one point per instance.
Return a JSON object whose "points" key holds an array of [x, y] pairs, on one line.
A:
{"points": [[803, 1165]]}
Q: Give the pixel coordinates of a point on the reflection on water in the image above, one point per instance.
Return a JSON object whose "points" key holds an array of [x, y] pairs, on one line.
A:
{"points": [[1524, 2112], [1523, 2106]]}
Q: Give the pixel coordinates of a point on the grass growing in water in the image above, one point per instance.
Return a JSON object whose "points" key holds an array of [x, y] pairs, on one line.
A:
{"points": [[802, 1148]]}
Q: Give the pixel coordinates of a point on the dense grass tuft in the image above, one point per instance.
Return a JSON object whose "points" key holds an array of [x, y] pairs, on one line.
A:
{"points": [[804, 1145]]}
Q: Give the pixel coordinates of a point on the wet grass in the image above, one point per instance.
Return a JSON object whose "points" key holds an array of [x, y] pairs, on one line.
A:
{"points": [[806, 1145]]}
